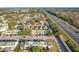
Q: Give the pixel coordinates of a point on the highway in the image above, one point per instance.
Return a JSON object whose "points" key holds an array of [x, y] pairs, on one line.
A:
{"points": [[67, 29], [61, 46]]}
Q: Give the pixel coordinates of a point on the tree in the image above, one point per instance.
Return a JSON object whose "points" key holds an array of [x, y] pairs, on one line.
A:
{"points": [[49, 32], [0, 33]]}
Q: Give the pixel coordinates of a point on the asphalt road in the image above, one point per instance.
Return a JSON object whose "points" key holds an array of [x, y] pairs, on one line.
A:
{"points": [[70, 31], [59, 43]]}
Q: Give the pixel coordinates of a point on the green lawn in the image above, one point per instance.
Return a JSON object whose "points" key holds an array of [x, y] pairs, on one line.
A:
{"points": [[25, 32], [54, 47]]}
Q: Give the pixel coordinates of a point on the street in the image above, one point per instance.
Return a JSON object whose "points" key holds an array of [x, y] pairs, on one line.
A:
{"points": [[71, 33]]}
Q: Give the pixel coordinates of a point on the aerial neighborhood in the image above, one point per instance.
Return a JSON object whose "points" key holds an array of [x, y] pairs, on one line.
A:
{"points": [[22, 30], [31, 30]]}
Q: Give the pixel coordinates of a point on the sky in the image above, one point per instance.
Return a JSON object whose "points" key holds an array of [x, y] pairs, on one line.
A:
{"points": [[39, 3]]}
